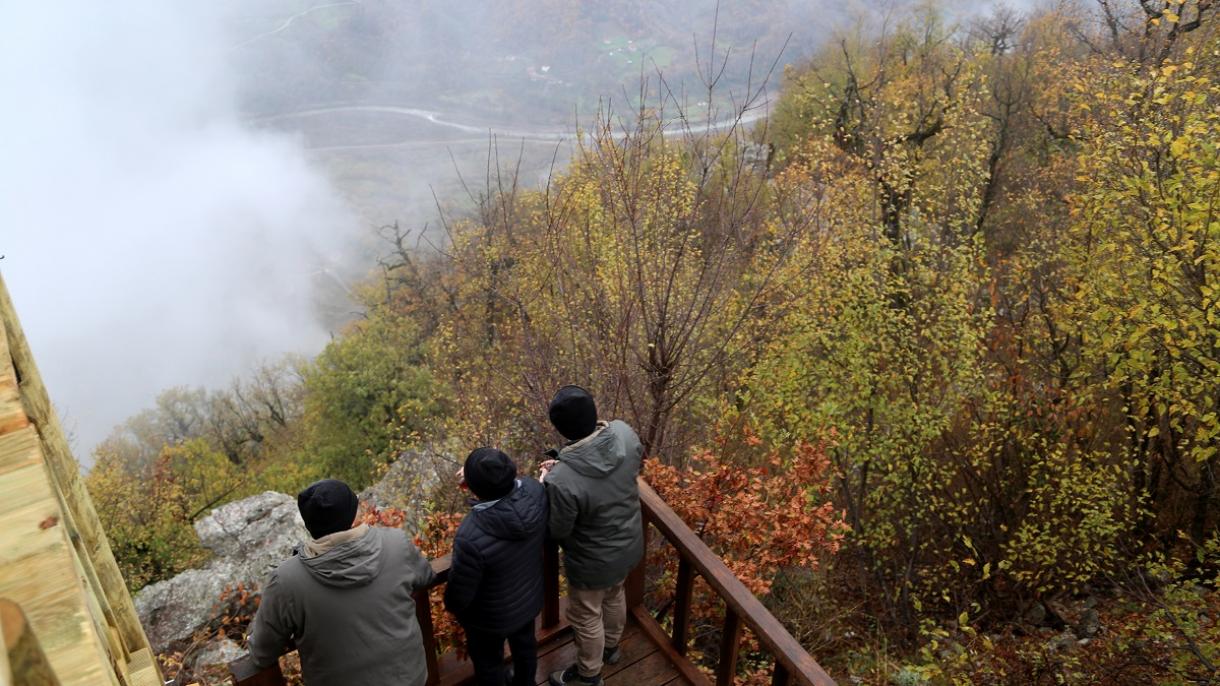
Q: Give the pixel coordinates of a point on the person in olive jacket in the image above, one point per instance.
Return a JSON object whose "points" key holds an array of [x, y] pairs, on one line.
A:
{"points": [[345, 599], [495, 578], [595, 517]]}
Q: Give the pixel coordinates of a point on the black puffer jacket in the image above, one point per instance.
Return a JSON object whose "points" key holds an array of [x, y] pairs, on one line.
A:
{"points": [[495, 578]]}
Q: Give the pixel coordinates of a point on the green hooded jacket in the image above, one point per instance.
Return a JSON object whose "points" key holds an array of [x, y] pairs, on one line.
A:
{"points": [[595, 506], [349, 611]]}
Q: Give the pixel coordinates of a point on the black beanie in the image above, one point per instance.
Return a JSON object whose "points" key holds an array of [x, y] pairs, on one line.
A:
{"points": [[327, 506], [490, 474], [573, 413]]}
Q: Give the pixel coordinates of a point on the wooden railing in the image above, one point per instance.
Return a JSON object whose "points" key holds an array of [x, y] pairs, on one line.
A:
{"points": [[792, 662]]}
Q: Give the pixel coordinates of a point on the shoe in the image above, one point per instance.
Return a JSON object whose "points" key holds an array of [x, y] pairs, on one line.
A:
{"points": [[573, 677], [611, 656]]}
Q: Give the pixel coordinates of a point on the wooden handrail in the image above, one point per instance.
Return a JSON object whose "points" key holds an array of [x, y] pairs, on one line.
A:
{"points": [[791, 659]]}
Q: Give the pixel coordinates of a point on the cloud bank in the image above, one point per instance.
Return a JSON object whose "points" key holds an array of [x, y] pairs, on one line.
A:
{"points": [[152, 239]]}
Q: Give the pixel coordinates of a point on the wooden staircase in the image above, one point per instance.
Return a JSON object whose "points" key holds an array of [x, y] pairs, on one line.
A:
{"points": [[65, 614]]}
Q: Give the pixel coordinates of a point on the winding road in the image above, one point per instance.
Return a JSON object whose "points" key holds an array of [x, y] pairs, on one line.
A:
{"points": [[552, 135]]}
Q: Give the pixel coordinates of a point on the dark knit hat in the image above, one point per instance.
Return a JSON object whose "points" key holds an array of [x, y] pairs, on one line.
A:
{"points": [[573, 413], [489, 473], [327, 506]]}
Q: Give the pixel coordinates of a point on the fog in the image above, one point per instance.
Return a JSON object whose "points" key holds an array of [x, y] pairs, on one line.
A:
{"points": [[151, 238], [187, 186]]}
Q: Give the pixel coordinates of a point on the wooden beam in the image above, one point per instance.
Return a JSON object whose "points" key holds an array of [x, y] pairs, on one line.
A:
{"points": [[780, 676], [38, 566], [637, 578], [682, 598], [657, 635], [423, 615], [730, 648], [65, 475]]}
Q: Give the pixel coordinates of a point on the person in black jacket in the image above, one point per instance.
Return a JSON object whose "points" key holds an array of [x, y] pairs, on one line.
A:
{"points": [[495, 577]]}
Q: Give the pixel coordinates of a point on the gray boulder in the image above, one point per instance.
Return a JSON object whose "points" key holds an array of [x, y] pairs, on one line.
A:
{"points": [[246, 538], [408, 485], [218, 653]]}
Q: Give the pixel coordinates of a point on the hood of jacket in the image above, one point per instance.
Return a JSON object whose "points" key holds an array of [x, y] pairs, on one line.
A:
{"points": [[515, 516], [598, 454], [355, 563]]}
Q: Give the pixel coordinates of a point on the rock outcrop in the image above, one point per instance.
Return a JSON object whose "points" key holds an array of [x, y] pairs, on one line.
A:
{"points": [[407, 485], [249, 537], [246, 538]]}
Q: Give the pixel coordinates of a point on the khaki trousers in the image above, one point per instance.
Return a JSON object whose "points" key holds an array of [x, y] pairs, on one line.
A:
{"points": [[597, 617]]}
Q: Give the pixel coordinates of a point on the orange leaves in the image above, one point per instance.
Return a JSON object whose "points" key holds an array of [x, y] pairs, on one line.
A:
{"points": [[760, 519]]}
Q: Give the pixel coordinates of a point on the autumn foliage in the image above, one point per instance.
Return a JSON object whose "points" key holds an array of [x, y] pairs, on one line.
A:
{"points": [[759, 519], [930, 356]]}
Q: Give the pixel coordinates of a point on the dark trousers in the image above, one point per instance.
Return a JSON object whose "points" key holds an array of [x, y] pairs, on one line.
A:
{"points": [[487, 653]]}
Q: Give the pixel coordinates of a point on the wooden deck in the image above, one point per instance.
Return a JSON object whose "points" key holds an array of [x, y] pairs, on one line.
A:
{"points": [[644, 663]]}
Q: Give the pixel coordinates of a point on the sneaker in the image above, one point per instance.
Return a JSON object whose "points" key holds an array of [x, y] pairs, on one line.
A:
{"points": [[611, 656], [573, 677]]}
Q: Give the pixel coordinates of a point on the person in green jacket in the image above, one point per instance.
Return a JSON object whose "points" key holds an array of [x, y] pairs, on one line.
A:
{"points": [[595, 517], [345, 599]]}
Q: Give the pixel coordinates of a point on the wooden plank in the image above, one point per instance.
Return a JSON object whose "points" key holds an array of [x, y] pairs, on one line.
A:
{"points": [[770, 632], [423, 615], [653, 670], [682, 599], [635, 646], [12, 413], [38, 568], [730, 647], [638, 576], [780, 676], [65, 474], [657, 635]]}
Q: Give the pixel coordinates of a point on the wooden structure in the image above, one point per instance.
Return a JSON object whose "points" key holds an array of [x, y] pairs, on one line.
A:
{"points": [[65, 614], [651, 656]]}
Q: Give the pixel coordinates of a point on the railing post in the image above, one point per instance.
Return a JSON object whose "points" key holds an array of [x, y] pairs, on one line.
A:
{"points": [[730, 644], [682, 598], [780, 677], [550, 586], [423, 613], [635, 580]]}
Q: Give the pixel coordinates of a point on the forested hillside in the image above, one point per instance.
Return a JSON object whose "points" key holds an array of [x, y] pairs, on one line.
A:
{"points": [[938, 372]]}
